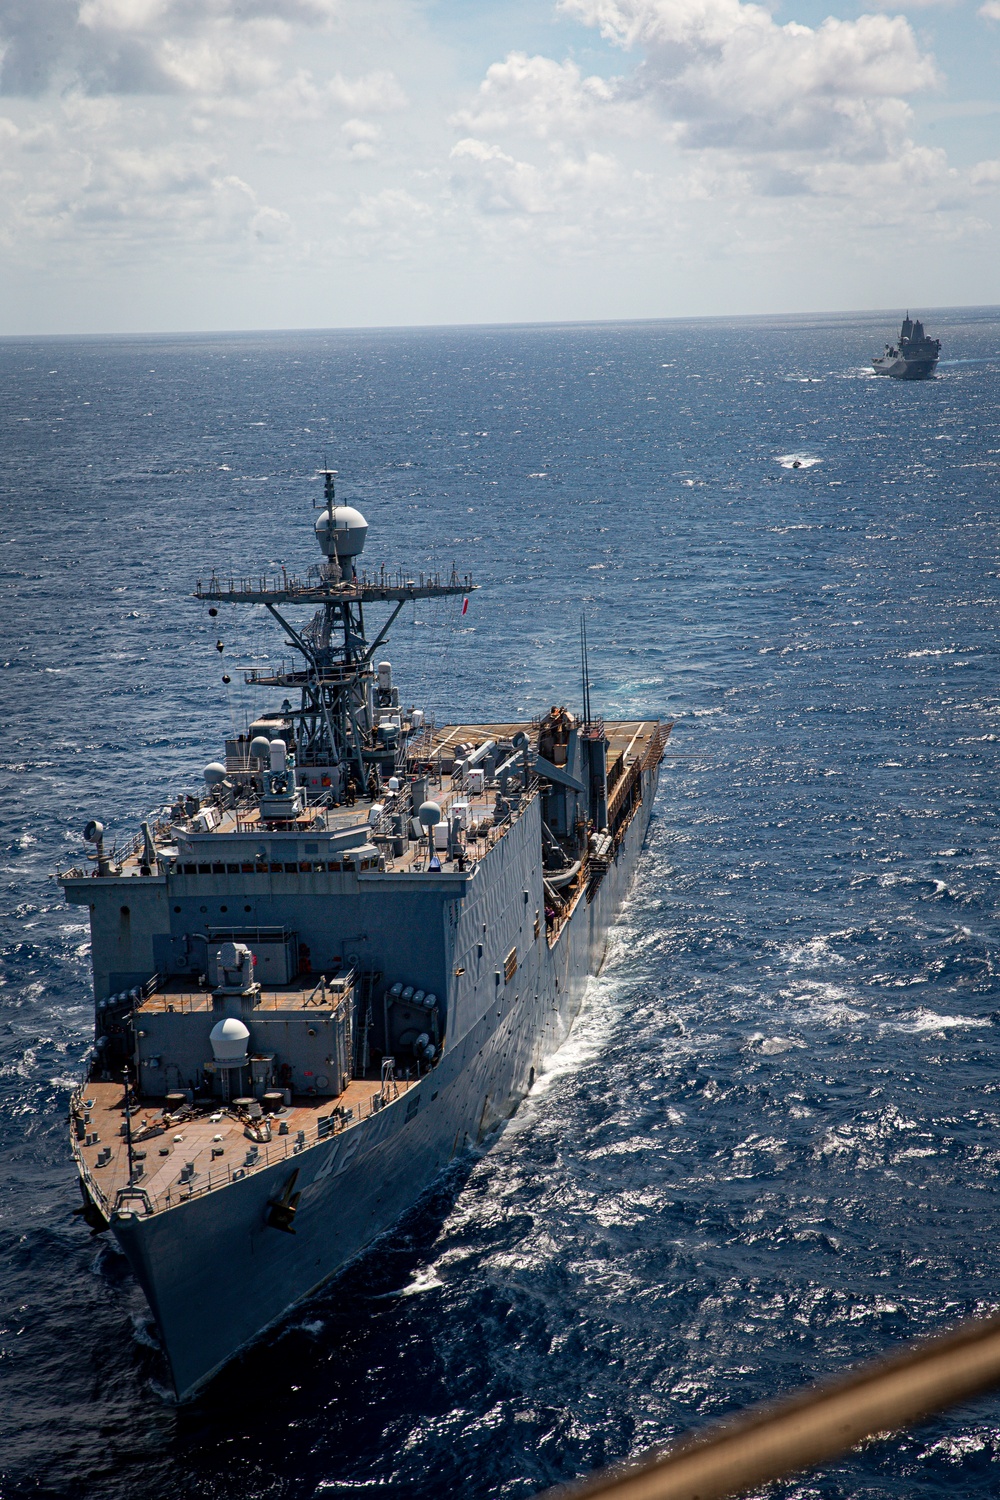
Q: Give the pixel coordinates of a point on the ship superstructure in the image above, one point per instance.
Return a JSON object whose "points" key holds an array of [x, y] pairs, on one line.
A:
{"points": [[321, 977], [914, 357]]}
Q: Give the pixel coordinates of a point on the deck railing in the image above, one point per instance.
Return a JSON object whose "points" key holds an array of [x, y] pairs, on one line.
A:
{"points": [[339, 592]]}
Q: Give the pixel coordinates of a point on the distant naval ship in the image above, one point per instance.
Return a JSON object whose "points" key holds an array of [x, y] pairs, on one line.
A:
{"points": [[323, 975], [914, 358]]}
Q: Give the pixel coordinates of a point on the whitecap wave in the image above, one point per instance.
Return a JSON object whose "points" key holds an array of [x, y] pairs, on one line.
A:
{"points": [[814, 953], [798, 460], [772, 1046], [930, 1020], [424, 1280]]}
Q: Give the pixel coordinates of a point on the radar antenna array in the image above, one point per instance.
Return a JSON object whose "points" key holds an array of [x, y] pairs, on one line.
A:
{"points": [[328, 476]]}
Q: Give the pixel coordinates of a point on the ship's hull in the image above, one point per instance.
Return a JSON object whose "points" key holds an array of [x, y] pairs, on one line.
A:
{"points": [[216, 1275], [905, 369]]}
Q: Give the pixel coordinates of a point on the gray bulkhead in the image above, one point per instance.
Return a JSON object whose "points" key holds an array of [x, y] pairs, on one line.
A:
{"points": [[500, 923], [126, 917], [449, 934]]}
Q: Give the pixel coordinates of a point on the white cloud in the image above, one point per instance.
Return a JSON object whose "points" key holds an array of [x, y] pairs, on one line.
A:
{"points": [[793, 124], [80, 188], [537, 96], [360, 138], [156, 124], [270, 225], [301, 97], [390, 224], [174, 15], [223, 60], [501, 184], [148, 46], [392, 207], [985, 174], [193, 135], [377, 92], [727, 75]]}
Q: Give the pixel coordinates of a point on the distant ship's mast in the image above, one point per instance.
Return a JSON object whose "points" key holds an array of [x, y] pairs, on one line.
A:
{"points": [[339, 719]]}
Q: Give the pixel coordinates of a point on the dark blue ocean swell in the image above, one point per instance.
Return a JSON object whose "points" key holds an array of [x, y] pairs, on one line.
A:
{"points": [[770, 1146]]}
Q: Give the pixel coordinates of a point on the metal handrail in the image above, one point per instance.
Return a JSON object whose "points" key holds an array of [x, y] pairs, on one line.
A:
{"points": [[338, 593]]}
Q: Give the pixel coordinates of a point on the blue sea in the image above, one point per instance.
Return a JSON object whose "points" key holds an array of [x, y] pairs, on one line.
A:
{"points": [[771, 1144]]}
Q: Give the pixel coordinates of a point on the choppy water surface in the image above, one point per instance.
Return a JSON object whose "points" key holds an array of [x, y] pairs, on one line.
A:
{"points": [[771, 1144]]}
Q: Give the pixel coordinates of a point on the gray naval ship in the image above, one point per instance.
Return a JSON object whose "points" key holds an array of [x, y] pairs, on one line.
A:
{"points": [[343, 961], [914, 358]]}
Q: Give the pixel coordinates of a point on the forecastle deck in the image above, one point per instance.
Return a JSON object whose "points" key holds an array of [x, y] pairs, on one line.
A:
{"points": [[181, 1154]]}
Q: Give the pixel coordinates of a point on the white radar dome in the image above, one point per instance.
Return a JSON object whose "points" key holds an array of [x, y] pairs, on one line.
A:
{"points": [[215, 773], [229, 1041], [341, 530], [429, 814]]}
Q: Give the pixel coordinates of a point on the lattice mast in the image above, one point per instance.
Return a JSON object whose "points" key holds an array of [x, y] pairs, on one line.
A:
{"points": [[339, 713]]}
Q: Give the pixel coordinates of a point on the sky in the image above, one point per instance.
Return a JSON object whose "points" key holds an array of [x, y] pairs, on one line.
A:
{"points": [[171, 165]]}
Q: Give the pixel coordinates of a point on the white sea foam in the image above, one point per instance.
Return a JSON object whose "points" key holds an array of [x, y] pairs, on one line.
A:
{"points": [[956, 1449], [798, 460], [144, 1331], [814, 953], [825, 1004], [585, 1042], [929, 1020], [424, 1280], [623, 1148], [771, 1046]]}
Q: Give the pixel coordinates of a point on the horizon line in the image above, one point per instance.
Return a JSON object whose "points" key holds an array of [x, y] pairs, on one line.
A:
{"points": [[528, 324]]}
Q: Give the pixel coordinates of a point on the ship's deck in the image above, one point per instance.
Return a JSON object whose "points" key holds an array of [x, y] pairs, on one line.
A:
{"points": [[201, 1148], [309, 993], [626, 737], [630, 742]]}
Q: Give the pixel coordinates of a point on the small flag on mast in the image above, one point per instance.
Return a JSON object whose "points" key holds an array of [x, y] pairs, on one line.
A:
{"points": [[465, 604]]}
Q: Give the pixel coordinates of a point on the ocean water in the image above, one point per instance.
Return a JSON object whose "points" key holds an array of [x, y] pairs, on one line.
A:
{"points": [[771, 1144]]}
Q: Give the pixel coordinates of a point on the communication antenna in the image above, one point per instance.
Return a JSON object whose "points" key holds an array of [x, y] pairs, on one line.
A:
{"points": [[585, 669]]}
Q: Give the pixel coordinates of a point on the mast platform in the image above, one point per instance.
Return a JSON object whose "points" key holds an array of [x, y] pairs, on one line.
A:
{"points": [[377, 589]]}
